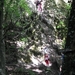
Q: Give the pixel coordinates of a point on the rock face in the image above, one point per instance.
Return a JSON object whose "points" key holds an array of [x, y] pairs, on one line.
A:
{"points": [[41, 40], [44, 37], [44, 34]]}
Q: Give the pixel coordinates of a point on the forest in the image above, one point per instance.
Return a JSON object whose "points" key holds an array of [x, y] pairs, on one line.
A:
{"points": [[37, 37]]}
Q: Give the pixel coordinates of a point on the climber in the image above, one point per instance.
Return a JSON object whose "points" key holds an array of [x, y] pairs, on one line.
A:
{"points": [[62, 56], [47, 61], [62, 59], [38, 5]]}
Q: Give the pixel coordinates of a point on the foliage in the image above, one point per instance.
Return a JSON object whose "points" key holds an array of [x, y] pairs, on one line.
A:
{"points": [[25, 27], [23, 4], [24, 71], [61, 29], [31, 72], [14, 15], [61, 22]]}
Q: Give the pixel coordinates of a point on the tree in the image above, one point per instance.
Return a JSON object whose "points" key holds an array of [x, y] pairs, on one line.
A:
{"points": [[70, 41], [69, 53], [2, 51]]}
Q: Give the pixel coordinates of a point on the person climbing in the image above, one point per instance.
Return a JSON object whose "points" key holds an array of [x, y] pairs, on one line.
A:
{"points": [[47, 61], [38, 5], [62, 60]]}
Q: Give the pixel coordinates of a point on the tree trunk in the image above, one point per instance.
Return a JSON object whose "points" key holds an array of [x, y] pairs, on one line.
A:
{"points": [[2, 50], [70, 40], [68, 66]]}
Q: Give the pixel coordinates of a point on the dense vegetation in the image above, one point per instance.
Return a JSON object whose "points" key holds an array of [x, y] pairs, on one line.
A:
{"points": [[24, 33]]}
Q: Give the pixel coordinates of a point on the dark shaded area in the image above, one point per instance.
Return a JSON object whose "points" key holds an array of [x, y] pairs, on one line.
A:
{"points": [[70, 42], [68, 67]]}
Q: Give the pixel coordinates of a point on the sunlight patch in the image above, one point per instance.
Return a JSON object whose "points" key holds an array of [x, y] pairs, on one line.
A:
{"points": [[20, 43], [37, 70]]}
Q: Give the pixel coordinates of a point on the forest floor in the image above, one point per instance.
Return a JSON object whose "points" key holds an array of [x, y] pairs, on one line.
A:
{"points": [[37, 67]]}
